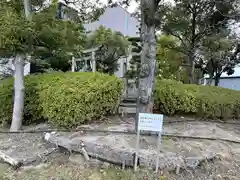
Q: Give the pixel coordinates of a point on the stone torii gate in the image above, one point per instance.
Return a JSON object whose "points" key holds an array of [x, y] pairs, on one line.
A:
{"points": [[89, 55]]}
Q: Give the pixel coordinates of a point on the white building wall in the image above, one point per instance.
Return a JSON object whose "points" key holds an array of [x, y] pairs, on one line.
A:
{"points": [[123, 66], [9, 68], [231, 83], [226, 81], [117, 19]]}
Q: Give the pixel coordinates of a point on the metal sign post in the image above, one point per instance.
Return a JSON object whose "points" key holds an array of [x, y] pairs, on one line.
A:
{"points": [[153, 123], [158, 149], [138, 96], [137, 104], [137, 150]]}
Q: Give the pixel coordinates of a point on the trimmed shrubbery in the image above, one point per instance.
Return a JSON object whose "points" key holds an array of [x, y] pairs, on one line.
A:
{"points": [[173, 97], [70, 99], [32, 109], [64, 99]]}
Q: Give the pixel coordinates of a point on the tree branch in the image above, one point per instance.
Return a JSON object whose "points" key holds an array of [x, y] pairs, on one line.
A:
{"points": [[175, 35], [157, 2]]}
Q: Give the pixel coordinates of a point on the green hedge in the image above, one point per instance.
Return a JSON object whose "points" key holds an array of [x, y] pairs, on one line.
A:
{"points": [[32, 108], [173, 97], [64, 99]]}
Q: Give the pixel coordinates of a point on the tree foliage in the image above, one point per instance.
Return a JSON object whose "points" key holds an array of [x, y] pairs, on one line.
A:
{"points": [[59, 40], [219, 54], [169, 59], [52, 40], [135, 61], [15, 30], [85, 11], [113, 46], [191, 21]]}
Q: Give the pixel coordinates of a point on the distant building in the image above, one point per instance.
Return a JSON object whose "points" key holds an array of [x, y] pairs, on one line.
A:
{"points": [[231, 82], [117, 19]]}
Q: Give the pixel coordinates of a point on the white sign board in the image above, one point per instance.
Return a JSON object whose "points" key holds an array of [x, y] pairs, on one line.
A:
{"points": [[150, 122]]}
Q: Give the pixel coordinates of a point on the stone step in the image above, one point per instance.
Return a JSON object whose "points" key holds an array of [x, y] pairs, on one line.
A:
{"points": [[128, 105], [127, 110], [129, 100]]}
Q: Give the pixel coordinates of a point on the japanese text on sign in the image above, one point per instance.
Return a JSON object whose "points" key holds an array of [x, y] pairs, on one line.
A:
{"points": [[150, 122]]}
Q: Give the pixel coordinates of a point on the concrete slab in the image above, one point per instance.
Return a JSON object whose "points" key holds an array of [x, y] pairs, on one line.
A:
{"points": [[175, 152]]}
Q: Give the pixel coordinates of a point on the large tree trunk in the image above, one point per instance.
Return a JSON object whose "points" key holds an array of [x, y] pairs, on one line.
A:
{"points": [[18, 93], [148, 59], [191, 70], [191, 56], [148, 56]]}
